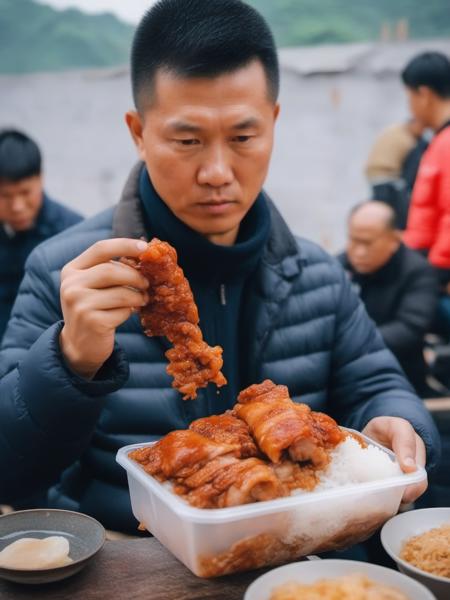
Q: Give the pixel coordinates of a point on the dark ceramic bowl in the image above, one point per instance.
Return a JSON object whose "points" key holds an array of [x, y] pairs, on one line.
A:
{"points": [[85, 535]]}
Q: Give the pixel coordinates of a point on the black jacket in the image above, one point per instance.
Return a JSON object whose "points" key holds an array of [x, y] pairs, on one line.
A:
{"points": [[401, 298], [303, 326]]}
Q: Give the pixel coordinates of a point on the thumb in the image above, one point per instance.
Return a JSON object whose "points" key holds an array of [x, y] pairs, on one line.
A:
{"points": [[404, 445]]}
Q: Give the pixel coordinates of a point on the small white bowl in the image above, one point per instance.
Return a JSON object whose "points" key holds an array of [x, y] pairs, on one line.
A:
{"points": [[311, 571], [406, 525]]}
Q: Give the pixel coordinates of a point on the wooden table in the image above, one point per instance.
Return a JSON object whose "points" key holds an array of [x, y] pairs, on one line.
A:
{"points": [[134, 570]]}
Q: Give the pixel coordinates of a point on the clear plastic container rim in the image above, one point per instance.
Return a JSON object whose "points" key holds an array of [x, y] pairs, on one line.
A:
{"points": [[268, 507]]}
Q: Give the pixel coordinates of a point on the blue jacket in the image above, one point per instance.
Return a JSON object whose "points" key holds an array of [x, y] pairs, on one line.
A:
{"points": [[14, 251], [305, 329]]}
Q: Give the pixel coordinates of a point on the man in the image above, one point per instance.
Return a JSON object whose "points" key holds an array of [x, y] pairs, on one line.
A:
{"points": [[427, 81], [392, 165], [205, 82], [27, 215], [397, 285]]}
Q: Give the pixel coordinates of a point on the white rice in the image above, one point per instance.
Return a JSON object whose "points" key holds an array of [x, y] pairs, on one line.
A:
{"points": [[350, 463]]}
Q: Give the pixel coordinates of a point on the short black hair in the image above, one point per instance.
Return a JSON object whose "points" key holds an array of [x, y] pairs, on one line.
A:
{"points": [[20, 156], [200, 38], [429, 69]]}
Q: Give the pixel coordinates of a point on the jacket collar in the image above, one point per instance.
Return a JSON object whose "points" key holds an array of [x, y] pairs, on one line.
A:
{"points": [[281, 252]]}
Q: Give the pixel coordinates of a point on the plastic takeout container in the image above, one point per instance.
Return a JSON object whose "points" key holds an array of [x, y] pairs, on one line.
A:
{"points": [[213, 542]]}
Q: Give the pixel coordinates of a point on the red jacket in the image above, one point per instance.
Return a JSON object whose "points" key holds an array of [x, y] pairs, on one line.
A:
{"points": [[429, 215]]}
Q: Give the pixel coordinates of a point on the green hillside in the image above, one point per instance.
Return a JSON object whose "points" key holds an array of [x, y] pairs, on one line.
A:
{"points": [[296, 22], [35, 37]]}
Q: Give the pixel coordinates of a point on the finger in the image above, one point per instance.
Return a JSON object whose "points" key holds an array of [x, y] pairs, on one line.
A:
{"points": [[106, 250], [404, 444], [112, 274], [115, 297], [111, 319]]}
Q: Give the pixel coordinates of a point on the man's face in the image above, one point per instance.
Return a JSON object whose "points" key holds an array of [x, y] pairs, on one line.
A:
{"points": [[20, 202], [370, 246], [207, 144], [420, 105]]}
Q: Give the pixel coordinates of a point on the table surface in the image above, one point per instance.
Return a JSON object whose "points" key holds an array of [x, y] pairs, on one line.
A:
{"points": [[132, 570]]}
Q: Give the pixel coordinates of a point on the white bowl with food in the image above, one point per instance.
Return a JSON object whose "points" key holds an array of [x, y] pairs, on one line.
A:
{"points": [[311, 580], [357, 493], [419, 542]]}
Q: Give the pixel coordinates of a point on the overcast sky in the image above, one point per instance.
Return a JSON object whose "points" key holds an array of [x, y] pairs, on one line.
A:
{"points": [[128, 10]]}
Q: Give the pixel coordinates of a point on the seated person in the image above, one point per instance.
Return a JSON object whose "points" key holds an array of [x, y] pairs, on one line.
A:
{"points": [[396, 284], [27, 215]]}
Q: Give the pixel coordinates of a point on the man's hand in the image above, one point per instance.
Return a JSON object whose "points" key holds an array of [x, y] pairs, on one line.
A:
{"points": [[97, 295], [398, 435]]}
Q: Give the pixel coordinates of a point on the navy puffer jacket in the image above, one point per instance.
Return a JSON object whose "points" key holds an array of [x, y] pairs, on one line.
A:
{"points": [[306, 329]]}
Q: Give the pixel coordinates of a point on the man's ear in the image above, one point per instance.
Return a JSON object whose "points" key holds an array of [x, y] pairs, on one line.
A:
{"points": [[135, 126], [276, 111]]}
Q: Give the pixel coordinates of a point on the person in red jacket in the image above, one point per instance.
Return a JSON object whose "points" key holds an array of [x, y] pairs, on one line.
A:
{"points": [[427, 81]]}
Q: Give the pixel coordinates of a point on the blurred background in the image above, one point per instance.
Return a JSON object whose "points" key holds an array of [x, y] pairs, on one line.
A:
{"points": [[64, 79]]}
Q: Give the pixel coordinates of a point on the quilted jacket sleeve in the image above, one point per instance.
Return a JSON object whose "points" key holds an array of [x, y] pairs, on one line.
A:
{"points": [[47, 413], [367, 381]]}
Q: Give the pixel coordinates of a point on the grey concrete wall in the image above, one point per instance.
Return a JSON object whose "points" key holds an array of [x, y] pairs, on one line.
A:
{"points": [[334, 101]]}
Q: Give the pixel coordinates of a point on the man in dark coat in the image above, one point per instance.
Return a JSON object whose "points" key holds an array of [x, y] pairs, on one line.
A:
{"points": [[397, 285], [27, 215], [79, 377]]}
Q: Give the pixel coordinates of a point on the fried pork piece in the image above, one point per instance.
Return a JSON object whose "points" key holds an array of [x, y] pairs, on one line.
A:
{"points": [[232, 483], [293, 476], [172, 312], [179, 454], [229, 429], [278, 424], [206, 473]]}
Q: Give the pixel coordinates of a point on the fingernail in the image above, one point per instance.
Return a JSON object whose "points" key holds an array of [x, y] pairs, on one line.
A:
{"points": [[141, 245], [409, 462]]}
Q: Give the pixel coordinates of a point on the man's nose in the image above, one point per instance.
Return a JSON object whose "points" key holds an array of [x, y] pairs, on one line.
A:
{"points": [[216, 169], [18, 204], [360, 250]]}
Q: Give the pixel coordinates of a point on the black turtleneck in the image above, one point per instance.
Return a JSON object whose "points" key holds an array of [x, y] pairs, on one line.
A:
{"points": [[217, 275]]}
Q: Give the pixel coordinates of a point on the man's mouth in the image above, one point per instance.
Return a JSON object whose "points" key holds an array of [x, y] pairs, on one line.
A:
{"points": [[216, 206], [218, 201]]}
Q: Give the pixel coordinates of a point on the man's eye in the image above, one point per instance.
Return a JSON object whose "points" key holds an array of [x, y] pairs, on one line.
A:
{"points": [[188, 142], [242, 138]]}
